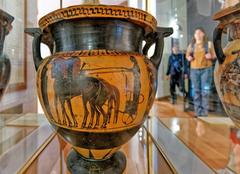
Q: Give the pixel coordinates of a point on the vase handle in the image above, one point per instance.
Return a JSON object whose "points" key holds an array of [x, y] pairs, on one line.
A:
{"points": [[38, 38], [158, 39], [217, 42]]}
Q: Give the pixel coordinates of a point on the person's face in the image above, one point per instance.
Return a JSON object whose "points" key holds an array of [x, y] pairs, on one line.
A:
{"points": [[199, 35], [175, 50]]}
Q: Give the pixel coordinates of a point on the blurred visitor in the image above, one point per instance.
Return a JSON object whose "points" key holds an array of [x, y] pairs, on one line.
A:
{"points": [[200, 54], [176, 73]]}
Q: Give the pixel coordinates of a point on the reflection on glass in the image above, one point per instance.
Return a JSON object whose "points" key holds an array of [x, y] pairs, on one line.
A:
{"points": [[175, 126], [21, 136], [5, 65], [206, 145], [200, 128], [235, 140], [53, 158]]}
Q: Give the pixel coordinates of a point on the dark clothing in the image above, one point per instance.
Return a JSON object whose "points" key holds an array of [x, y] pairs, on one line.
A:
{"points": [[176, 70], [176, 80], [176, 64]]}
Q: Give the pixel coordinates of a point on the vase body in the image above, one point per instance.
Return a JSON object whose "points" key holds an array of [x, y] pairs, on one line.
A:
{"points": [[97, 86], [5, 72], [227, 70], [105, 100], [5, 65]]}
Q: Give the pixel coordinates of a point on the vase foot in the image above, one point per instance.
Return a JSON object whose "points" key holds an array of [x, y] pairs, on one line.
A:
{"points": [[77, 164]]}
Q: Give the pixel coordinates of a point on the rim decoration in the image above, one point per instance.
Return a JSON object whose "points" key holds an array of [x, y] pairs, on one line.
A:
{"points": [[136, 16], [228, 15]]}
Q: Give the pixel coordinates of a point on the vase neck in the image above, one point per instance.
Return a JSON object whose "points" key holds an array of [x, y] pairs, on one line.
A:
{"points": [[2, 38], [92, 34]]}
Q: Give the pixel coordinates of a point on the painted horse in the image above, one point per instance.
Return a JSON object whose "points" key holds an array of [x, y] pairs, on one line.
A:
{"points": [[71, 81]]}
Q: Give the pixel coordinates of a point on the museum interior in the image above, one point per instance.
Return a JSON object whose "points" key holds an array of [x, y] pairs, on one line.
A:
{"points": [[120, 87]]}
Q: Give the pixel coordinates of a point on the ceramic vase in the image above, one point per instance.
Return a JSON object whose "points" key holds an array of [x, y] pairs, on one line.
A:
{"points": [[98, 85], [5, 65], [227, 70]]}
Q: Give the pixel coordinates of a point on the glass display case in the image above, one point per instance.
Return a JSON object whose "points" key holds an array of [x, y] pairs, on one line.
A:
{"points": [[166, 145], [208, 145], [40, 150]]}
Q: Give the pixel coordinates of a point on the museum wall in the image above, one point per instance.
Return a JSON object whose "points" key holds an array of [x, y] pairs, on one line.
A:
{"points": [[170, 13], [22, 99], [201, 12]]}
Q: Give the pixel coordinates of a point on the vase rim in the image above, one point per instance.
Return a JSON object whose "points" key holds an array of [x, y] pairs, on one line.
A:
{"points": [[137, 16], [6, 16], [227, 15]]}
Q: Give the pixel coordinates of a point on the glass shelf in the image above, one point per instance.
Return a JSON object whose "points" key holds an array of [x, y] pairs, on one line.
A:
{"points": [[207, 145], [21, 136], [165, 145], [42, 151]]}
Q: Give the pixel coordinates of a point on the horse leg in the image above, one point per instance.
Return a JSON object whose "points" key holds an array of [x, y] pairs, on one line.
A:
{"points": [[85, 111], [105, 117], [115, 114], [56, 106], [71, 112], [97, 116], [116, 107], [65, 114], [92, 115], [110, 107], [116, 101]]}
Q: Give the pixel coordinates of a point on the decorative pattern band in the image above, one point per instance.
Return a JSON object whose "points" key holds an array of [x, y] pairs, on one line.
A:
{"points": [[95, 53], [137, 16], [228, 15]]}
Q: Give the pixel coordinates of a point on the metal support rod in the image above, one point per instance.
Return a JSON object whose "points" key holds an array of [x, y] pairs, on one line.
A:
{"points": [[149, 164], [61, 3], [146, 6]]}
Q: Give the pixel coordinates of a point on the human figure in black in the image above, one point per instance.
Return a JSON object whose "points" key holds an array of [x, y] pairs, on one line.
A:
{"points": [[176, 72]]}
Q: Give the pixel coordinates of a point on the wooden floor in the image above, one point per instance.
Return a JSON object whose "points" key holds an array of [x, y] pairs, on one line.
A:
{"points": [[163, 108], [209, 138], [210, 142]]}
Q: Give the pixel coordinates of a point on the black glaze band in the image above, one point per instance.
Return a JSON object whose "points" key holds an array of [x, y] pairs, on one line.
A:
{"points": [[94, 34], [92, 140]]}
